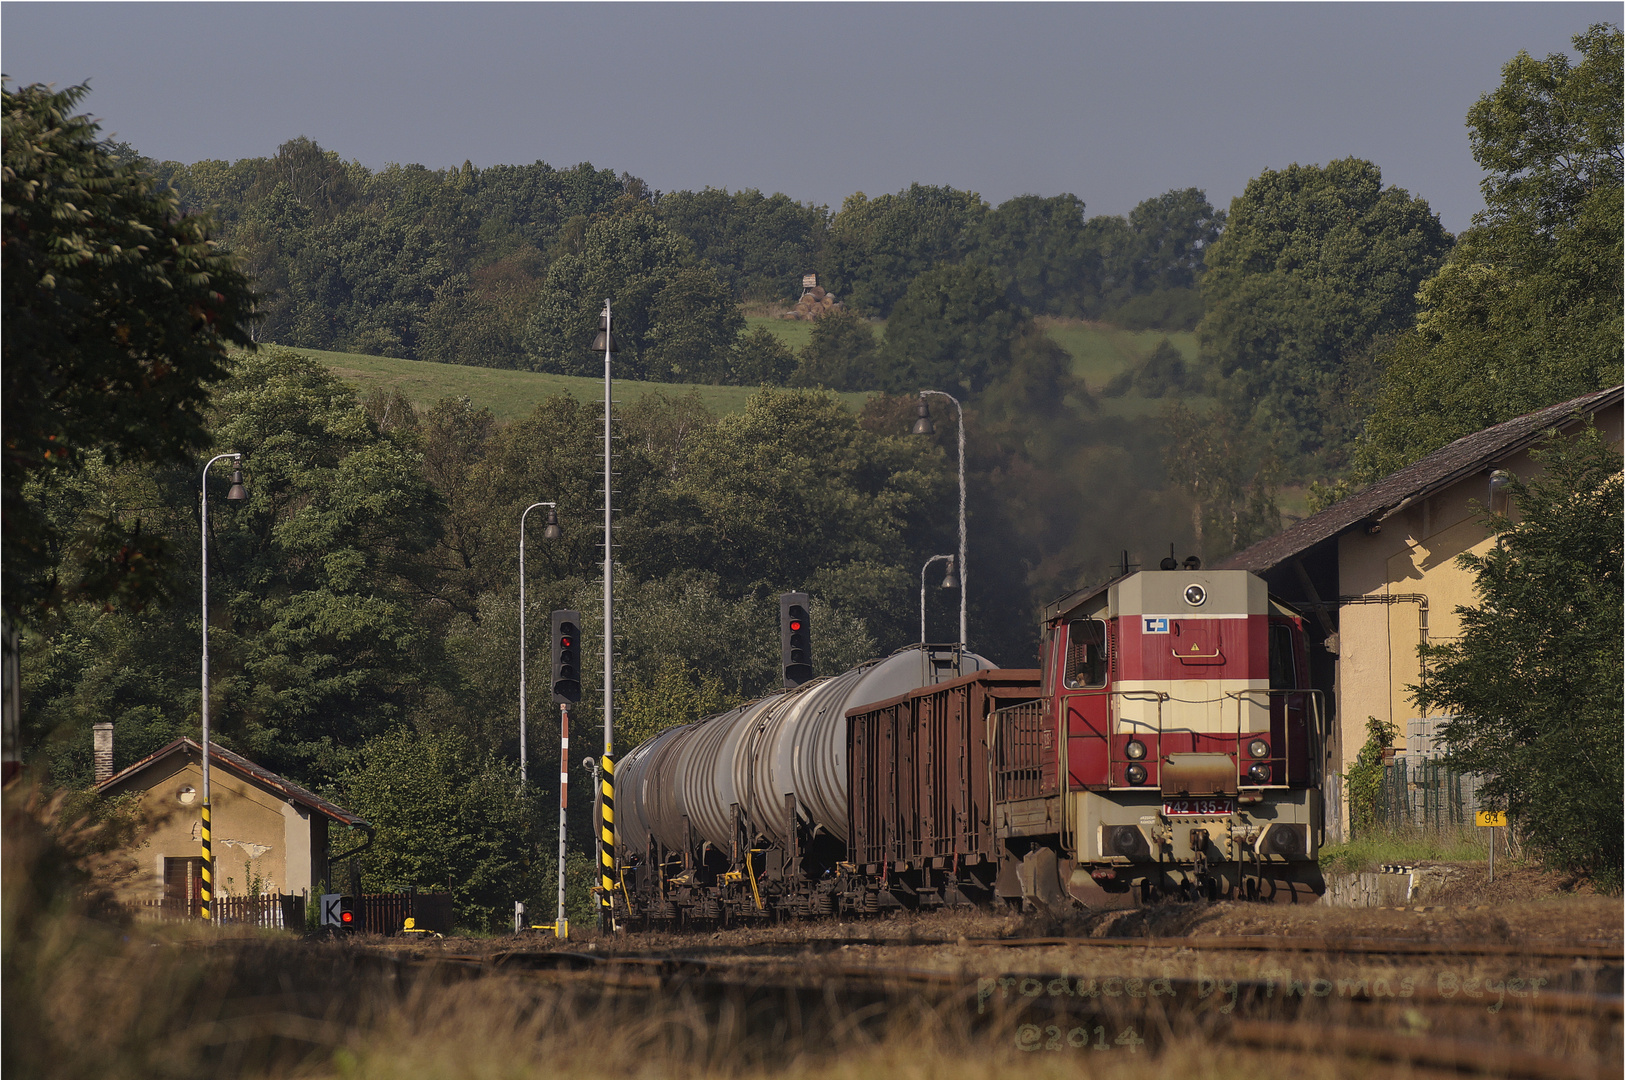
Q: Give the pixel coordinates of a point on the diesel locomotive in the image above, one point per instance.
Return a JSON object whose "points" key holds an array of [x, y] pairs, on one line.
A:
{"points": [[1168, 744]]}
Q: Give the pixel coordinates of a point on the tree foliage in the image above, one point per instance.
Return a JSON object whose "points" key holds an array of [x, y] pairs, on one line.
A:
{"points": [[1314, 263], [759, 245], [841, 354], [952, 330], [1532, 685], [444, 814], [118, 312], [1527, 312], [877, 246]]}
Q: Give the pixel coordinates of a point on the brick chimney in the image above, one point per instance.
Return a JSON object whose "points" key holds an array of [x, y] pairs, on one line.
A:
{"points": [[102, 734]]}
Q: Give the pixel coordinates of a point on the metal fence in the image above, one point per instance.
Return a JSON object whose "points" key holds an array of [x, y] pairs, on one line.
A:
{"points": [[1422, 792]]}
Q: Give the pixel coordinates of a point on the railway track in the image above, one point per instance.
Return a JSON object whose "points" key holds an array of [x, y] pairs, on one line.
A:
{"points": [[1604, 952], [1530, 1033]]}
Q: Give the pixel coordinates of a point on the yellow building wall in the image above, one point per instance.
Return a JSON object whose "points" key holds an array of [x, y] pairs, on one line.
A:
{"points": [[262, 843], [1413, 555]]}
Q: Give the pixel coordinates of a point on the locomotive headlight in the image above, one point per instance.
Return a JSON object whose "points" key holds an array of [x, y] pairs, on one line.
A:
{"points": [[1135, 774], [1258, 748], [1135, 750], [1258, 773]]}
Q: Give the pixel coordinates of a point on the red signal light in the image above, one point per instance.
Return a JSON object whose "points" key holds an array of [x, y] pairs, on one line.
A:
{"points": [[795, 624], [564, 642], [347, 917]]}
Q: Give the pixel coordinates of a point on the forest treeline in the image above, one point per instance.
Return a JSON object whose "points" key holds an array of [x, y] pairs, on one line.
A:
{"points": [[364, 599], [489, 266]]}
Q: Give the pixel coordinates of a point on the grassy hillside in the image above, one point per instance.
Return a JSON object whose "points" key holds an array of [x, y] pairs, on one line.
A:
{"points": [[1098, 350], [792, 332], [510, 395]]}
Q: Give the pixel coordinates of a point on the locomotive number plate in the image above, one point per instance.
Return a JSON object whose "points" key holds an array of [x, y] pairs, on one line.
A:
{"points": [[1210, 807]]}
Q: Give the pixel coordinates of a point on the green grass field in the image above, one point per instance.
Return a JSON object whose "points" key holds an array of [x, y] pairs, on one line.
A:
{"points": [[511, 395], [793, 333], [1098, 351]]}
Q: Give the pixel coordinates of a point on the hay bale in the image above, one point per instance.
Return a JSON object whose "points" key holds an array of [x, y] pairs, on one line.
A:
{"points": [[818, 292]]}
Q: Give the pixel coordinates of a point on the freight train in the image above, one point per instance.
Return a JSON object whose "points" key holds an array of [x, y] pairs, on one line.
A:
{"points": [[1168, 744]]}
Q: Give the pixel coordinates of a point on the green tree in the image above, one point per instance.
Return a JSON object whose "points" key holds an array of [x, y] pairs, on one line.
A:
{"points": [[693, 327], [1527, 312], [1040, 247], [761, 358], [1229, 474], [445, 813], [317, 573], [792, 492], [1532, 685], [760, 245], [676, 695], [952, 330], [840, 354], [632, 259], [118, 311], [877, 246], [1313, 264]]}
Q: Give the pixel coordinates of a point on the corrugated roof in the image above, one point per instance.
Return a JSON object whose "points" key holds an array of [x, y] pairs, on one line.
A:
{"points": [[1440, 469], [1056, 608], [219, 757]]}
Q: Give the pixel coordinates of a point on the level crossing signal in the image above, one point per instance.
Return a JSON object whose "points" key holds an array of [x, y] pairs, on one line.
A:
{"points": [[795, 638], [566, 657]]}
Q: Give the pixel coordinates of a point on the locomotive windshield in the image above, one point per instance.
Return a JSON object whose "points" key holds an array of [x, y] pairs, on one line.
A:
{"points": [[1283, 675], [1086, 653]]}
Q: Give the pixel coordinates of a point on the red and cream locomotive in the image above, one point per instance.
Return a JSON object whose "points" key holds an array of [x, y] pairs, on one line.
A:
{"points": [[1168, 745]]}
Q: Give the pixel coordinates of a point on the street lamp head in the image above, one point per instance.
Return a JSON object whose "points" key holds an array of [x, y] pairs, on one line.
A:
{"points": [[923, 425], [237, 492], [588, 763], [552, 530], [950, 580]]}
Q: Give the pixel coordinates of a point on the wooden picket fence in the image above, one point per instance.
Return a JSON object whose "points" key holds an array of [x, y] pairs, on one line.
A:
{"points": [[271, 910]]}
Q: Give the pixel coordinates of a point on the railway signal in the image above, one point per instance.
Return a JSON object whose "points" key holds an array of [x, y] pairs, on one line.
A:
{"points": [[795, 638], [566, 657]]}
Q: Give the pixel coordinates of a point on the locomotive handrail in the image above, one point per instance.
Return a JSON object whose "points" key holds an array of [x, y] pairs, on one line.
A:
{"points": [[1316, 735]]}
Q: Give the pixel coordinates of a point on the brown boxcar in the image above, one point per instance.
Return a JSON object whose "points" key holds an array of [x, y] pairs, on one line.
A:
{"points": [[921, 791]]}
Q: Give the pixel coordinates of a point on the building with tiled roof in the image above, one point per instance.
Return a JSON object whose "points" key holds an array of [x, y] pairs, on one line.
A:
{"points": [[1377, 574], [270, 835]]}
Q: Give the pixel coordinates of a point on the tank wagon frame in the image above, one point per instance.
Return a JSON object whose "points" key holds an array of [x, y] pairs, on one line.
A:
{"points": [[1168, 744]]}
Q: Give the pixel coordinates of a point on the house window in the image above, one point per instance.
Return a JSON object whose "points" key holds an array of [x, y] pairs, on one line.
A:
{"points": [[1086, 653]]}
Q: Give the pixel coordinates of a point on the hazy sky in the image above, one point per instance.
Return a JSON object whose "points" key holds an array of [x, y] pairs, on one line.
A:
{"points": [[1114, 103]]}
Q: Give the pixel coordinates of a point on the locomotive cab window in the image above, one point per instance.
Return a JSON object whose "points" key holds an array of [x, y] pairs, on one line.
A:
{"points": [[1283, 666], [1086, 653]]}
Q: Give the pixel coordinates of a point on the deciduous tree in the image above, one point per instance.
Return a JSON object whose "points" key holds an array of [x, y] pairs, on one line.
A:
{"points": [[118, 313], [1315, 261], [1532, 685], [1527, 312]]}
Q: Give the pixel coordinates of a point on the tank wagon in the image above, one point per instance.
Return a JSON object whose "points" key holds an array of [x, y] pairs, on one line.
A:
{"points": [[1167, 744]]}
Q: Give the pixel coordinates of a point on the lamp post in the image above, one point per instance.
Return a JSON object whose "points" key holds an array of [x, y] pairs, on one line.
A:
{"points": [[606, 798], [924, 426], [948, 582], [550, 533], [236, 493]]}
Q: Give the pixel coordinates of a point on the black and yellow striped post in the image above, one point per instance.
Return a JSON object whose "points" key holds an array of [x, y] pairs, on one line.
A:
{"points": [[606, 839], [206, 888]]}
